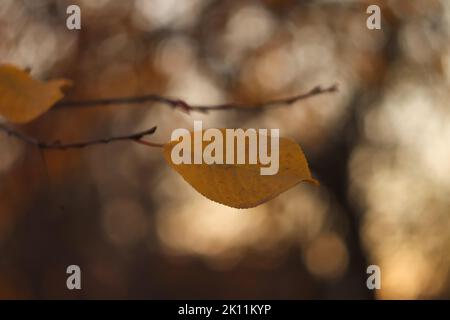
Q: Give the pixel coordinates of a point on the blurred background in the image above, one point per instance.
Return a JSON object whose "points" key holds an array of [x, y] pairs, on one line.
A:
{"points": [[380, 148]]}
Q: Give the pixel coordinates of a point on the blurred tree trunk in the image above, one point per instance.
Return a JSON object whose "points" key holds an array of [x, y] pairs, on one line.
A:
{"points": [[332, 168]]}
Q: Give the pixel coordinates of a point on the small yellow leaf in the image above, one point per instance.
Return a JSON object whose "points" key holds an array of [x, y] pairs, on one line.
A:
{"points": [[242, 185], [23, 98]]}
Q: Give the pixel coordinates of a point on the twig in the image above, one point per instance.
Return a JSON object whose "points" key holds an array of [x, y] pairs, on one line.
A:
{"points": [[177, 103], [268, 104], [82, 144]]}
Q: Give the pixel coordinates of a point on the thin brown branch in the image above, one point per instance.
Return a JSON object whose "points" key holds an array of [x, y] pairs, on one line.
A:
{"points": [[177, 103], [81, 144]]}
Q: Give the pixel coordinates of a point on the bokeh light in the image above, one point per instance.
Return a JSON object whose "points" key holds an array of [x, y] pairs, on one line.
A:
{"points": [[380, 148]]}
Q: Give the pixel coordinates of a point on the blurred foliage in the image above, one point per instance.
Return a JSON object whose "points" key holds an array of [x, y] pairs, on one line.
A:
{"points": [[380, 148]]}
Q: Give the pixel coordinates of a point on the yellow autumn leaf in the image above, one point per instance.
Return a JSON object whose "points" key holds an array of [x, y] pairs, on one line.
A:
{"points": [[242, 185], [23, 98]]}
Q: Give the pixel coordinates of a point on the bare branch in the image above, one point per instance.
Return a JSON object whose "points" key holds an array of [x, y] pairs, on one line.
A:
{"points": [[81, 144], [177, 103]]}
